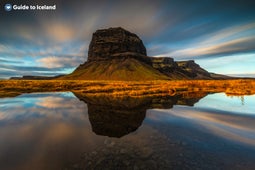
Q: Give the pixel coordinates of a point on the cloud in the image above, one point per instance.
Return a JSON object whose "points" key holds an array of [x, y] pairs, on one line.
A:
{"points": [[2, 48], [8, 70], [228, 33], [59, 32], [4, 74], [226, 41], [56, 62], [229, 47], [65, 56], [44, 60], [10, 61], [242, 63], [27, 68]]}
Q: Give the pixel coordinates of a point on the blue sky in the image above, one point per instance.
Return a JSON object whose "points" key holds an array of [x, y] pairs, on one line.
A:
{"points": [[218, 35]]}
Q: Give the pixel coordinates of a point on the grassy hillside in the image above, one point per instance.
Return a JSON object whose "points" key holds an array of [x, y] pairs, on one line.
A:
{"points": [[116, 69]]}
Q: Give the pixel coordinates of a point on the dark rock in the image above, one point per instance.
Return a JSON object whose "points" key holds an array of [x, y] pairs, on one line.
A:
{"points": [[164, 64], [193, 70], [112, 122], [115, 42]]}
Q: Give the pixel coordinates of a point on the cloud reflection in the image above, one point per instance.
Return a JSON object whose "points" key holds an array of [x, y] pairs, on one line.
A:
{"points": [[41, 128], [233, 127], [42, 107]]}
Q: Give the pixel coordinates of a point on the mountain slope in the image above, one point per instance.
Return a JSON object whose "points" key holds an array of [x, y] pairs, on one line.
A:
{"points": [[116, 69]]}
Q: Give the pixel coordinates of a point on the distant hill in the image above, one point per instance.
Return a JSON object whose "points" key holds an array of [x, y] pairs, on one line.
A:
{"points": [[36, 77], [117, 54]]}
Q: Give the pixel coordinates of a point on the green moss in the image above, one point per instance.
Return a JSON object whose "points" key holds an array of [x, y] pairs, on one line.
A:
{"points": [[128, 69]]}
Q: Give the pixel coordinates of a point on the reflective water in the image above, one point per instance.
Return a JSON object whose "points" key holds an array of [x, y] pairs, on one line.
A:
{"points": [[74, 131]]}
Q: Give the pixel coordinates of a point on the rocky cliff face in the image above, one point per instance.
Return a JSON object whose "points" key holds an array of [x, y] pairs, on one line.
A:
{"points": [[115, 42], [193, 70], [165, 65]]}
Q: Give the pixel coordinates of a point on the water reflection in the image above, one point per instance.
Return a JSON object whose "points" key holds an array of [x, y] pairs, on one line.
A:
{"points": [[41, 131], [233, 127], [53, 130], [232, 104], [116, 117]]}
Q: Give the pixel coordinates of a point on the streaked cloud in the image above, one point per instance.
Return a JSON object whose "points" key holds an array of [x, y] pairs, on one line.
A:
{"points": [[227, 41], [180, 29], [238, 64], [55, 62]]}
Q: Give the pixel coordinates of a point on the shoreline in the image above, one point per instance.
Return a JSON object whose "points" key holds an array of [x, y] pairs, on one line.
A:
{"points": [[11, 88]]}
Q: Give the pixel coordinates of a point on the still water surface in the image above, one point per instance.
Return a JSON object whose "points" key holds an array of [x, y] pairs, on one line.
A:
{"points": [[70, 131]]}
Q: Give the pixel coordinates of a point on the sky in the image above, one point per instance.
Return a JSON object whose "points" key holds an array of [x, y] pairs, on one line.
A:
{"points": [[218, 34]]}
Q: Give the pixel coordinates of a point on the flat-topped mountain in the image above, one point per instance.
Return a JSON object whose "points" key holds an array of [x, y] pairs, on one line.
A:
{"points": [[117, 54]]}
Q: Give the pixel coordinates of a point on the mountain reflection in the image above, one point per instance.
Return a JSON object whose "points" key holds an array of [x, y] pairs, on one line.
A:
{"points": [[60, 131], [119, 116]]}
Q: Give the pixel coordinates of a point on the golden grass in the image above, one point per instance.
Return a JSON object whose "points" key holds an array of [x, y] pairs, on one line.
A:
{"points": [[129, 88]]}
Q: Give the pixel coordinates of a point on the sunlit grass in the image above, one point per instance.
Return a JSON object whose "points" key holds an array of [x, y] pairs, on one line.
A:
{"points": [[129, 88]]}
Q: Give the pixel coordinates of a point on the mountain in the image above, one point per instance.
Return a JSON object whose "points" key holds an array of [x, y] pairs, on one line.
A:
{"points": [[36, 77], [117, 54]]}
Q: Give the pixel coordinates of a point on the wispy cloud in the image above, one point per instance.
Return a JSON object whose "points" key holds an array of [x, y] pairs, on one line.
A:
{"points": [[10, 61], [55, 62], [179, 29], [227, 41], [59, 31]]}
